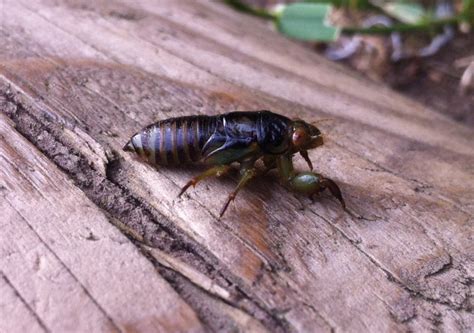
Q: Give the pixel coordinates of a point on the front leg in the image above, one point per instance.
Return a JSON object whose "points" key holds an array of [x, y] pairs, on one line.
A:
{"points": [[312, 183], [309, 183]]}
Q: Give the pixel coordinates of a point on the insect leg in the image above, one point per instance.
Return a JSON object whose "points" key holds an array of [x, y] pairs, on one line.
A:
{"points": [[247, 174], [309, 183], [334, 189], [312, 184], [217, 171]]}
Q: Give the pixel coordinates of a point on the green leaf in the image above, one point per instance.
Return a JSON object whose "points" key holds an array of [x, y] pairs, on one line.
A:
{"points": [[243, 7], [405, 12], [307, 21], [360, 4]]}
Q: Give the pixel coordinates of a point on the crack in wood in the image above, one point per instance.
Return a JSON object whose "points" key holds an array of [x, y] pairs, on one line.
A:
{"points": [[182, 283], [22, 300], [441, 270]]}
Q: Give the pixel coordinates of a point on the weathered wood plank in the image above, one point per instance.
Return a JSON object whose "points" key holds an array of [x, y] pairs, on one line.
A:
{"points": [[73, 268], [105, 71]]}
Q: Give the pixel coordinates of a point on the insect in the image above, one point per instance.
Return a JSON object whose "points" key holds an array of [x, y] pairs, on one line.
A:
{"points": [[241, 136]]}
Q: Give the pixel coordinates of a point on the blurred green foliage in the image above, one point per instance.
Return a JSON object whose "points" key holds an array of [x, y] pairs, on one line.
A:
{"points": [[307, 19]]}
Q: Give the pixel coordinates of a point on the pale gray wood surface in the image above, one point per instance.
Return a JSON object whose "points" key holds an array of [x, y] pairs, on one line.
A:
{"points": [[77, 80]]}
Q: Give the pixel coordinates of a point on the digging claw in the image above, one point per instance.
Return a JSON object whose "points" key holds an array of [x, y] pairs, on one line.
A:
{"points": [[334, 189], [312, 184], [185, 187]]}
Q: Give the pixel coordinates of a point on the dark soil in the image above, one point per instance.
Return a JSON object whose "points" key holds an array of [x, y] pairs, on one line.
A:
{"points": [[437, 83]]}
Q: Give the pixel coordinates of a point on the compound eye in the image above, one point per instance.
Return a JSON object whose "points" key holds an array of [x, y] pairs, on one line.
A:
{"points": [[300, 137]]}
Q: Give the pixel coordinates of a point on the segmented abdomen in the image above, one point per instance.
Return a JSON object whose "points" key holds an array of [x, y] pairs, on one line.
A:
{"points": [[173, 141]]}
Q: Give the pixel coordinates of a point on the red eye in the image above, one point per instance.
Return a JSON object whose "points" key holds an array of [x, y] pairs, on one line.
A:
{"points": [[299, 137]]}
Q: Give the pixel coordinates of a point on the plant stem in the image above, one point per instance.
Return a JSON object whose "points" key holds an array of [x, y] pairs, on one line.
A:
{"points": [[242, 7], [421, 26]]}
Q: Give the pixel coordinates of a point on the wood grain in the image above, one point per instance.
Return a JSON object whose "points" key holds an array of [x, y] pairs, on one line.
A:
{"points": [[78, 80], [66, 261], [16, 315]]}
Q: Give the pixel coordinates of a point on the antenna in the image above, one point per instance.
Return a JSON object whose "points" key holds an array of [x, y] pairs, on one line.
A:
{"points": [[321, 120]]}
